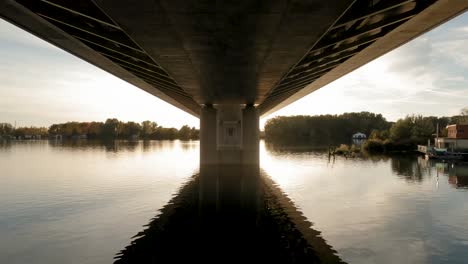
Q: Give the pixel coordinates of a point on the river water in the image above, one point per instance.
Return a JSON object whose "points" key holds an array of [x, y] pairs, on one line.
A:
{"points": [[82, 202]]}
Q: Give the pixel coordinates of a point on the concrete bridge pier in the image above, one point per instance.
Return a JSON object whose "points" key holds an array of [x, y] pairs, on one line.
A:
{"points": [[229, 134]]}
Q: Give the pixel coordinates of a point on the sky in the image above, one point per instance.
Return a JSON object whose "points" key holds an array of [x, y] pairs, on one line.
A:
{"points": [[41, 84]]}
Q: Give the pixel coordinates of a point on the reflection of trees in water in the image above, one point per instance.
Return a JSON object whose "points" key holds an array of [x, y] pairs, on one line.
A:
{"points": [[123, 145], [375, 158], [120, 145], [229, 214], [151, 145], [188, 144], [75, 144], [407, 167], [146, 145], [288, 148], [107, 145], [458, 175], [456, 172], [5, 145]]}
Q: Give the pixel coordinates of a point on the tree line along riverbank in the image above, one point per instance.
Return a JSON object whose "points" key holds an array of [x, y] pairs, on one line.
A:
{"points": [[335, 131], [112, 128]]}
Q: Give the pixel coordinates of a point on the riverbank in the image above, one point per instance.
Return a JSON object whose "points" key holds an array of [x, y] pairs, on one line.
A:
{"points": [[372, 146]]}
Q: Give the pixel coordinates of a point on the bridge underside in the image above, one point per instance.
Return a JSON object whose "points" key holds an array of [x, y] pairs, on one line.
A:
{"points": [[229, 61]]}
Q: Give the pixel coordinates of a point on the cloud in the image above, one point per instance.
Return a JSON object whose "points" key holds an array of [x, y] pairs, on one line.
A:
{"points": [[462, 29], [16, 36], [453, 49]]}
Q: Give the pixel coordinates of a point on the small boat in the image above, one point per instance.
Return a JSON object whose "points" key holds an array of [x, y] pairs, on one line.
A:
{"points": [[443, 154]]}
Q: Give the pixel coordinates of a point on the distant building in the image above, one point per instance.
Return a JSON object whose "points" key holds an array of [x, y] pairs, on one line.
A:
{"points": [[452, 143], [457, 131], [359, 135], [457, 138], [359, 138]]}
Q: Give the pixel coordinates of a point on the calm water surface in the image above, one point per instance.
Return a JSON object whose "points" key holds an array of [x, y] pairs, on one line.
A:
{"points": [[83, 202]]}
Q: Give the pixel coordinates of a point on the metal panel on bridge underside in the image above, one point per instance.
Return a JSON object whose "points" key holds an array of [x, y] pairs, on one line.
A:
{"points": [[263, 53]]}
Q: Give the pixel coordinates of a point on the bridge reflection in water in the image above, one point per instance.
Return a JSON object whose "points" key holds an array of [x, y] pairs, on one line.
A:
{"points": [[229, 214]]}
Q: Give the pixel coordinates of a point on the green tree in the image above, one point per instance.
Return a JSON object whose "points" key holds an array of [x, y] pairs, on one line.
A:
{"points": [[379, 134], [422, 129], [94, 130], [6, 129], [148, 128], [322, 129], [185, 133], [130, 129], [194, 133], [32, 131], [401, 130], [110, 129]]}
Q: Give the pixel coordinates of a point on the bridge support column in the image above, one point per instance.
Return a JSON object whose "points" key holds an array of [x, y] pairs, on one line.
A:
{"points": [[229, 135], [251, 136], [208, 152]]}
